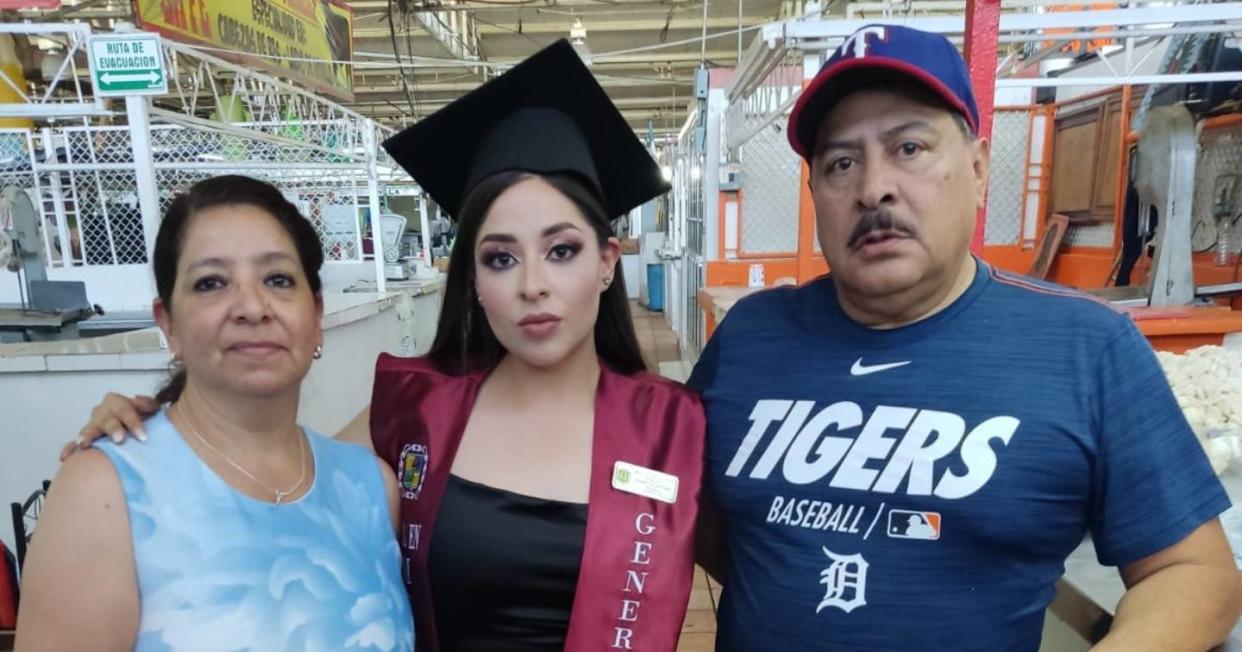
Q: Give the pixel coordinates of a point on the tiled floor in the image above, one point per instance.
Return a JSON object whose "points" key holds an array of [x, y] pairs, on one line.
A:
{"points": [[657, 340], [659, 346], [698, 634]]}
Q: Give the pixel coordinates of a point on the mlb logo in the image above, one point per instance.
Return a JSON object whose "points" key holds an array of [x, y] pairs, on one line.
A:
{"points": [[903, 524]]}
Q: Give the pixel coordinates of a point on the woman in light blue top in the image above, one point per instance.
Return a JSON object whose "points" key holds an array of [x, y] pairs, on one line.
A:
{"points": [[233, 528]]}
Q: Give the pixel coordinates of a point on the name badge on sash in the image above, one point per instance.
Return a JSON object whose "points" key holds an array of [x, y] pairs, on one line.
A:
{"points": [[644, 482]]}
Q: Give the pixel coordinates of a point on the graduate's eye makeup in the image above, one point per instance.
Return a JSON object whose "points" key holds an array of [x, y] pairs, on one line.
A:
{"points": [[496, 258], [564, 250], [499, 258]]}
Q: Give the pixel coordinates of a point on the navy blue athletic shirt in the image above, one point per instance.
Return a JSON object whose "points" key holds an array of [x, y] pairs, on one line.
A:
{"points": [[920, 488]]}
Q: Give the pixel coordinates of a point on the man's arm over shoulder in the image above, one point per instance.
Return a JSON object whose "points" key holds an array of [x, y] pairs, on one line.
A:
{"points": [[79, 586]]}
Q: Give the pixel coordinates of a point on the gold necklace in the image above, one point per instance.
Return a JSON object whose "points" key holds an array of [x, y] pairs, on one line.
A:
{"points": [[280, 494]]}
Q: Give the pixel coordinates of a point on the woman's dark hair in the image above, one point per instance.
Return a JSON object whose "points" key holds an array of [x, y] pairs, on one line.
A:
{"points": [[465, 342], [228, 190]]}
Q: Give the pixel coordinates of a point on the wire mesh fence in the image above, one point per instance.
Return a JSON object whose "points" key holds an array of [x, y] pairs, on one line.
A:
{"points": [[1011, 151], [769, 167], [15, 157], [689, 213], [1099, 236], [92, 185], [98, 195], [333, 202]]}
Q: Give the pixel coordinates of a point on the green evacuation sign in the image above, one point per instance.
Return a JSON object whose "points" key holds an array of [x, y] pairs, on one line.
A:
{"points": [[127, 64]]}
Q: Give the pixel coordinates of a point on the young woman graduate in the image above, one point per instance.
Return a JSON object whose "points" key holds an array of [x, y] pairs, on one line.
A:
{"points": [[549, 484]]}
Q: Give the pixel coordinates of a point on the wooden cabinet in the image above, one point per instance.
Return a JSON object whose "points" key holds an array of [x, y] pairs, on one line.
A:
{"points": [[1086, 151], [1073, 166]]}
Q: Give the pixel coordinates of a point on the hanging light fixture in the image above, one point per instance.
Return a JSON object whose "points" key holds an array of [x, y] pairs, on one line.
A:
{"points": [[577, 38]]}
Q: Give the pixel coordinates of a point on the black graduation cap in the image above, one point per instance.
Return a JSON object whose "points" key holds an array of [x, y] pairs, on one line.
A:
{"points": [[545, 115]]}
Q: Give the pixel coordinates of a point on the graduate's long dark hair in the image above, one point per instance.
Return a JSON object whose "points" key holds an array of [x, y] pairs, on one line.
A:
{"points": [[464, 340]]}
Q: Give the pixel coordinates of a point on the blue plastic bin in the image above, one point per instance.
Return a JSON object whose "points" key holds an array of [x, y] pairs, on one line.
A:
{"points": [[655, 287]]}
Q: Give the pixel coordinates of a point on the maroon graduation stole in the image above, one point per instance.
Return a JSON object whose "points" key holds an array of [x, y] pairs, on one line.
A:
{"points": [[638, 556]]}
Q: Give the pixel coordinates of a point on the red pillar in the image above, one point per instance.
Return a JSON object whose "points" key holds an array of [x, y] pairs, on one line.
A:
{"points": [[982, 43]]}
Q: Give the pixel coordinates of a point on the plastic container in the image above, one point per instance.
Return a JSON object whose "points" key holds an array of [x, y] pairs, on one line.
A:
{"points": [[1223, 243], [655, 287]]}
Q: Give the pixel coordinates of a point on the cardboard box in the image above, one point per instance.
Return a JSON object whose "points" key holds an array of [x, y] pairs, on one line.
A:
{"points": [[629, 247]]}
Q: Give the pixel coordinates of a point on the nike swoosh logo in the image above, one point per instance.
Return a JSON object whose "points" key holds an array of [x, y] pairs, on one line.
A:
{"points": [[859, 369]]}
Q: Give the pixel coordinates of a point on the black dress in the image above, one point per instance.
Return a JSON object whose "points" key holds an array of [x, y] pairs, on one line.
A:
{"points": [[503, 568]]}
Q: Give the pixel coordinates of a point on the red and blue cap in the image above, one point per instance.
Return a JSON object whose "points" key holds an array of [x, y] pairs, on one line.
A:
{"points": [[926, 58]]}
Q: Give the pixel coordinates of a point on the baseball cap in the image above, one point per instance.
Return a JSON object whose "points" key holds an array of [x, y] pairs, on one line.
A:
{"points": [[545, 115], [926, 58]]}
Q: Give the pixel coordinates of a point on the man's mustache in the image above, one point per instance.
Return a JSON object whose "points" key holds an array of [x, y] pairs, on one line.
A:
{"points": [[879, 220]]}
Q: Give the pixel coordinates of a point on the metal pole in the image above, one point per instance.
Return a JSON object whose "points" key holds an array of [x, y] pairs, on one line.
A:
{"points": [[137, 110], [425, 225], [982, 41], [1129, 54], [739, 33], [58, 203], [1060, 82], [703, 41], [377, 237]]}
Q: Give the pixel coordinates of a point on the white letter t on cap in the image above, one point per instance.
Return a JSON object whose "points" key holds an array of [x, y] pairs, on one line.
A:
{"points": [[858, 40]]}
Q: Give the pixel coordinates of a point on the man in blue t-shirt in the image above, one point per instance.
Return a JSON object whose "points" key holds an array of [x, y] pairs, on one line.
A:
{"points": [[904, 453]]}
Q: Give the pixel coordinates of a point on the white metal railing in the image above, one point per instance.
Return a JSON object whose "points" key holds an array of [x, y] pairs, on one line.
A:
{"points": [[63, 96], [101, 188]]}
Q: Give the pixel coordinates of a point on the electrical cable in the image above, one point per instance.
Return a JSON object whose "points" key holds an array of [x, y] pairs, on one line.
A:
{"points": [[696, 39], [511, 30], [409, 52], [392, 33], [21, 269], [1195, 229]]}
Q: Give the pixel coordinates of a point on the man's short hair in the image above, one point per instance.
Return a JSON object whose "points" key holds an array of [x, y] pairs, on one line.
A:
{"points": [[964, 127]]}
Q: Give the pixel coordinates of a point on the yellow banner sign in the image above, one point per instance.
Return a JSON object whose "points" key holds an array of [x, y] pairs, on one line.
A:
{"points": [[299, 39]]}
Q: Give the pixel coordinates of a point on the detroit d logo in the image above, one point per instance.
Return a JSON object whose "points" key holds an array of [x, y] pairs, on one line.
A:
{"points": [[412, 470], [845, 580]]}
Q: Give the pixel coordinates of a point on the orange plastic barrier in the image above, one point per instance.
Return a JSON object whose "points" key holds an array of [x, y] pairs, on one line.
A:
{"points": [[1180, 329]]}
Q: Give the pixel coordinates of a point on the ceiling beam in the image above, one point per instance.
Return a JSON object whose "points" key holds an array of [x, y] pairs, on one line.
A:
{"points": [[455, 32], [70, 12], [663, 130], [593, 26], [533, 27], [654, 56], [680, 69], [500, 5], [425, 107], [663, 122], [465, 85], [388, 113]]}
